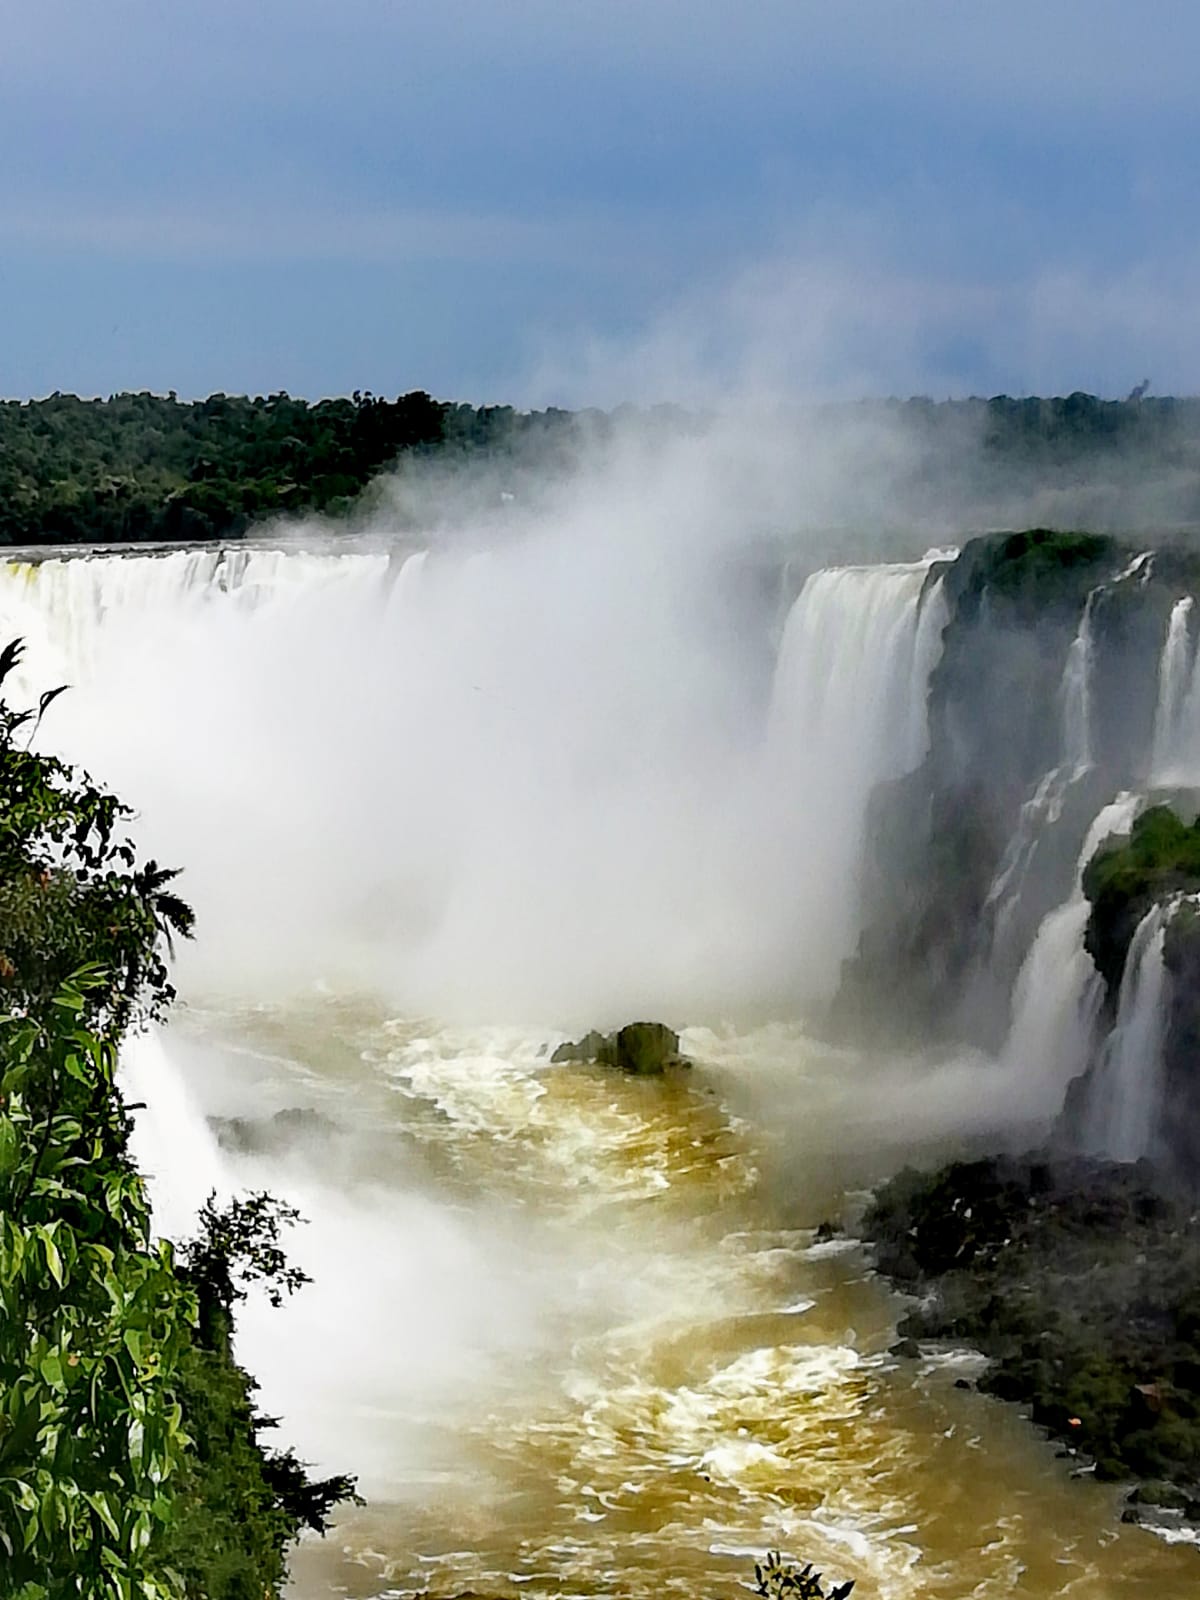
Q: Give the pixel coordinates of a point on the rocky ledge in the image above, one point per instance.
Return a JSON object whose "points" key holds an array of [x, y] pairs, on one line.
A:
{"points": [[1080, 1282]]}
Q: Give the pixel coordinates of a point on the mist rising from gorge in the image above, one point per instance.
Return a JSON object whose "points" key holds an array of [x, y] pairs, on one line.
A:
{"points": [[521, 748]]}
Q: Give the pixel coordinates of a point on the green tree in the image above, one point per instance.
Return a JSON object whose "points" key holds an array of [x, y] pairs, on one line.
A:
{"points": [[130, 1462], [93, 1317]]}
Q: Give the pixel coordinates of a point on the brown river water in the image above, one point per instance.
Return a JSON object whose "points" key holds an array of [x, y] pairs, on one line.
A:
{"points": [[577, 1336]]}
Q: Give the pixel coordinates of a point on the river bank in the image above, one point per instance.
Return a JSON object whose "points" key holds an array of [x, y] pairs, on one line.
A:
{"points": [[1079, 1280]]}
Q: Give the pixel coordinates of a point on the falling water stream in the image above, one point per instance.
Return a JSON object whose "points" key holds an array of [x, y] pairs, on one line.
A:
{"points": [[576, 1333]]}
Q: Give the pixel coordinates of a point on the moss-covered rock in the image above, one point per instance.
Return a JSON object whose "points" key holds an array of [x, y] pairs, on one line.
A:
{"points": [[1156, 863], [256, 1135], [1159, 858], [1038, 568]]}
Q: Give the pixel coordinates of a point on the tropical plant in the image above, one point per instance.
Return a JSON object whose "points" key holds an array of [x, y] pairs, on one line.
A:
{"points": [[778, 1579], [130, 1465]]}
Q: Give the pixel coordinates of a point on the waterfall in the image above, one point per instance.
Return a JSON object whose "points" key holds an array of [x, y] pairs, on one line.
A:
{"points": [[1124, 1103], [1176, 747], [1058, 991], [543, 779], [1076, 693], [171, 1144], [848, 713], [1044, 806], [932, 619], [1042, 810]]}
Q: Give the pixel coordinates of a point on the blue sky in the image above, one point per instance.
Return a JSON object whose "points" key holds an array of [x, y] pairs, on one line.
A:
{"points": [[581, 201]]}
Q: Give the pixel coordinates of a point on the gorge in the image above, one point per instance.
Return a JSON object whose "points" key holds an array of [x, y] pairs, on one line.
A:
{"points": [[442, 808]]}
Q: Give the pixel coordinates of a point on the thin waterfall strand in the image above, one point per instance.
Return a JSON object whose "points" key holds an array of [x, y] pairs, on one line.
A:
{"points": [[1125, 1102], [1057, 996]]}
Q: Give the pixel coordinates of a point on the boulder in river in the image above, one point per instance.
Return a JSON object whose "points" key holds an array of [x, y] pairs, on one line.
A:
{"points": [[267, 1135], [644, 1049]]}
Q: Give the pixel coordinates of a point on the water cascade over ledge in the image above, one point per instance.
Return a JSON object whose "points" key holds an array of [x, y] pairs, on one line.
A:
{"points": [[1058, 993], [491, 748], [1124, 1104]]}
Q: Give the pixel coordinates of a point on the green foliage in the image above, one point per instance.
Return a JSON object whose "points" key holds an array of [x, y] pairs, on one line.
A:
{"points": [[238, 1245], [228, 1530], [72, 893], [1039, 554], [777, 1579], [130, 1466], [1160, 857], [1160, 854], [143, 467], [94, 1321], [1035, 572], [239, 1504]]}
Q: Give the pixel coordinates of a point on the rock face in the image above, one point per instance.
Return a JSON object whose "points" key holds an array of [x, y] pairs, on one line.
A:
{"points": [[943, 948], [644, 1049], [1158, 864], [1082, 1284]]}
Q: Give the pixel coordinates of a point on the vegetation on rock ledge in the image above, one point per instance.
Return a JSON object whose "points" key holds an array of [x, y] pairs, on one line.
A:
{"points": [[1159, 858]]}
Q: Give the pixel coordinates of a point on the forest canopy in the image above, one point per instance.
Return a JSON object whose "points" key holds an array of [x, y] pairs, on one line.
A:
{"points": [[145, 468]]}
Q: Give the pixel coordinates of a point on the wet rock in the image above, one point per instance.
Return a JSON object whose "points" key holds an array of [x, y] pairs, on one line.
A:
{"points": [[643, 1049], [594, 1046], [1080, 1281], [262, 1135], [907, 1350]]}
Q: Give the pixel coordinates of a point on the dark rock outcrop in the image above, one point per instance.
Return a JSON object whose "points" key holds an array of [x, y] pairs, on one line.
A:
{"points": [[1080, 1281], [264, 1135], [644, 1049]]}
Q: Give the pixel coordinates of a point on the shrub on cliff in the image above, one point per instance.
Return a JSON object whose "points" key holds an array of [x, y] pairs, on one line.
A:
{"points": [[1160, 857]]}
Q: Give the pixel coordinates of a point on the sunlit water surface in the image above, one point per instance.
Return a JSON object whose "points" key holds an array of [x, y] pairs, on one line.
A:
{"points": [[576, 1335]]}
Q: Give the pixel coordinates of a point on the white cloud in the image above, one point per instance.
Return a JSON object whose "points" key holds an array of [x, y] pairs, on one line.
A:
{"points": [[825, 326]]}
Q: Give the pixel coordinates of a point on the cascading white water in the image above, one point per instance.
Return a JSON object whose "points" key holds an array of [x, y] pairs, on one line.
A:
{"points": [[1076, 693], [1175, 756], [1044, 806], [1042, 810], [532, 778], [1058, 991], [848, 713], [1124, 1104], [171, 1143]]}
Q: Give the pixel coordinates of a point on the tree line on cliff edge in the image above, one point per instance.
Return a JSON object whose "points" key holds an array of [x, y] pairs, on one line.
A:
{"points": [[145, 468]]}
